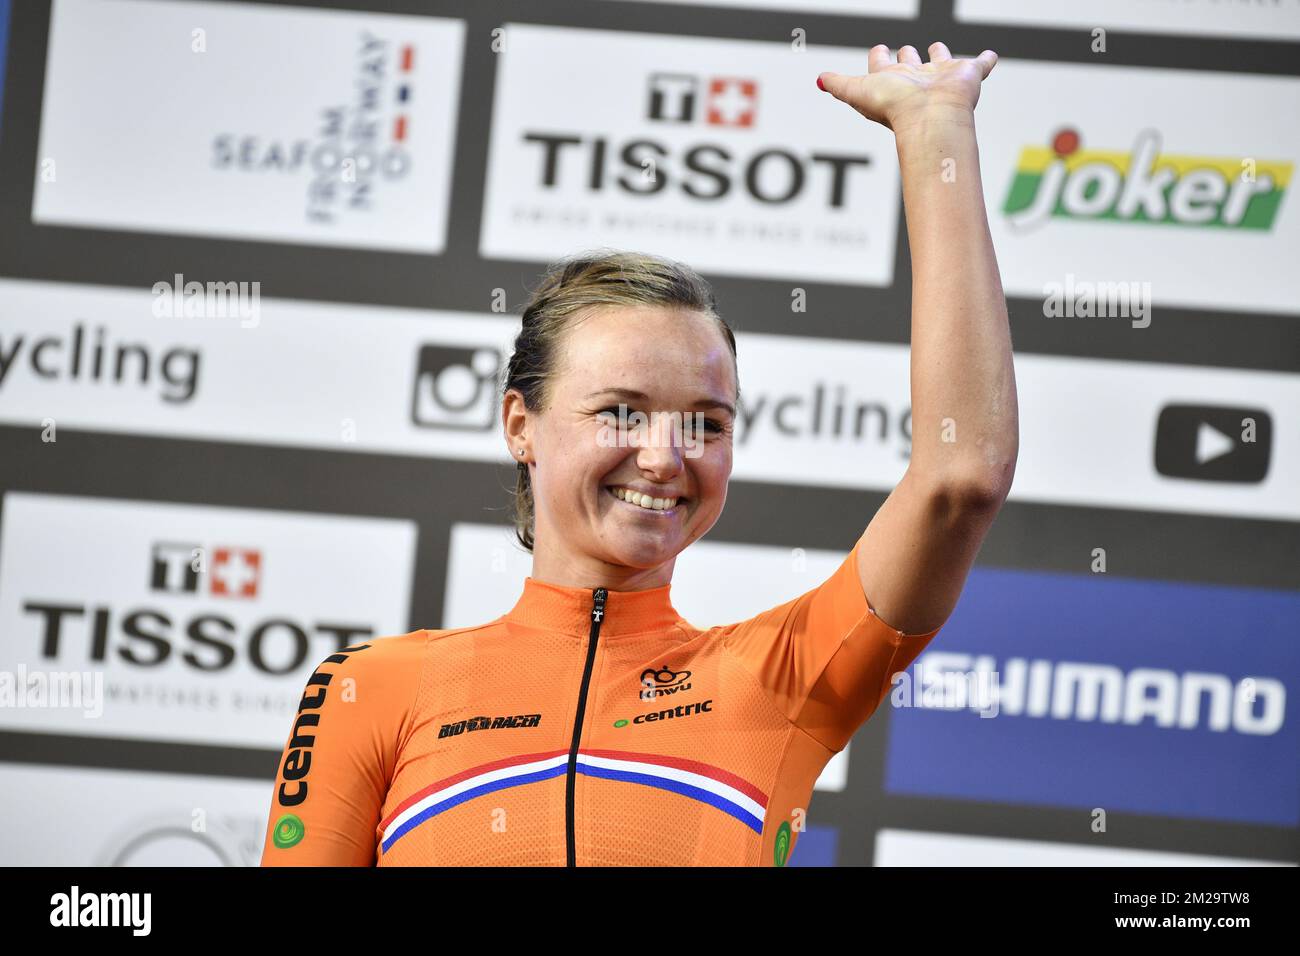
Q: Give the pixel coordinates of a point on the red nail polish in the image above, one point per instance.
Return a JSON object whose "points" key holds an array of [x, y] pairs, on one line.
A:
{"points": [[819, 85]]}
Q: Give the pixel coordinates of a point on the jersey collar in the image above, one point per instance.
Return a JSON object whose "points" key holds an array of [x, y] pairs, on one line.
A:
{"points": [[555, 607]]}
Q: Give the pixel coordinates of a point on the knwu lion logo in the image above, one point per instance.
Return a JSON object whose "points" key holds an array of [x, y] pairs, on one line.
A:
{"points": [[663, 682], [358, 144]]}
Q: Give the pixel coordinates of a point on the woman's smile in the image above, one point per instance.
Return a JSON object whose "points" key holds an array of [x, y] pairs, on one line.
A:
{"points": [[655, 507]]}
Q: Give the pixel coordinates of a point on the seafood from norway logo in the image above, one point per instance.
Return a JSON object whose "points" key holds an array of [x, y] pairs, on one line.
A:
{"points": [[357, 146], [1066, 181], [662, 682]]}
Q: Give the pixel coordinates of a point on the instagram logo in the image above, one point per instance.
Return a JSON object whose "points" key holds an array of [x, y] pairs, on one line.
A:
{"points": [[455, 387]]}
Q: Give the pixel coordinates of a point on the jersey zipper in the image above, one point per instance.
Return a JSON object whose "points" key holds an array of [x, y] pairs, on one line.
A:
{"points": [[598, 596]]}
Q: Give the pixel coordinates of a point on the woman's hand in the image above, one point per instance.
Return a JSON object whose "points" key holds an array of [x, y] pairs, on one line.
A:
{"points": [[898, 94]]}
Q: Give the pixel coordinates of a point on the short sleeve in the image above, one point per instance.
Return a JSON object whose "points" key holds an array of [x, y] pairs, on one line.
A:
{"points": [[341, 753], [825, 658]]}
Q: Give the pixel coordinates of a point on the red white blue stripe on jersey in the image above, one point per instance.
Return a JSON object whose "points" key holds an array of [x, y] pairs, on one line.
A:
{"points": [[691, 778]]}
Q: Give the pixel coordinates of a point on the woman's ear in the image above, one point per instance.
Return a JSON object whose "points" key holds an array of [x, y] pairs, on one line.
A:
{"points": [[514, 422]]}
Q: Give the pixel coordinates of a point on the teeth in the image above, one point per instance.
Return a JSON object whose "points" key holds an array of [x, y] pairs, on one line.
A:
{"points": [[645, 501]]}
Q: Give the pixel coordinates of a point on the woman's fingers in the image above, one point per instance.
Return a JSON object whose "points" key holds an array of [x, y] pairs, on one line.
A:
{"points": [[877, 58], [986, 61]]}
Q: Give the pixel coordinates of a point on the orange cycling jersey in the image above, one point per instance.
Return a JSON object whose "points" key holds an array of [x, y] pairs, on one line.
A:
{"points": [[584, 727]]}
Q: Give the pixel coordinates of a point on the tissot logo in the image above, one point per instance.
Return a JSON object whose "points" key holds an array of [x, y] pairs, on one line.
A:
{"points": [[728, 101], [664, 681], [232, 572], [456, 387], [204, 620], [359, 145], [692, 143], [149, 636], [1213, 443], [768, 172]]}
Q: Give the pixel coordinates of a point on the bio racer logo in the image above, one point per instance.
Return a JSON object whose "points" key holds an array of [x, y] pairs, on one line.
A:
{"points": [[1067, 181]]}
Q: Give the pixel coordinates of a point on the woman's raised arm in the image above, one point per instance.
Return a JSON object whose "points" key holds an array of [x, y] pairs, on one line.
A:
{"points": [[920, 545]]}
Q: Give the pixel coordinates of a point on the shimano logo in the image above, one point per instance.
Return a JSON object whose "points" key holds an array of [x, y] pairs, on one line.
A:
{"points": [[1082, 691], [488, 723]]}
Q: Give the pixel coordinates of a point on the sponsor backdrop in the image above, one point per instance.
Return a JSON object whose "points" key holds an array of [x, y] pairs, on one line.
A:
{"points": [[205, 489]]}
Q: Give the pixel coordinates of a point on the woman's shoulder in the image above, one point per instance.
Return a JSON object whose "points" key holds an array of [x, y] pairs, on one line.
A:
{"points": [[416, 643], [403, 651], [393, 662], [396, 646], [376, 653]]}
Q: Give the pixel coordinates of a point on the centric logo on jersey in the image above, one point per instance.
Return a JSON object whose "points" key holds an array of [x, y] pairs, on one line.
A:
{"points": [[664, 681], [671, 713]]}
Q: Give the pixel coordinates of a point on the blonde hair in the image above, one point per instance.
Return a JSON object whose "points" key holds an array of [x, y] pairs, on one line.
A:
{"points": [[571, 287]]}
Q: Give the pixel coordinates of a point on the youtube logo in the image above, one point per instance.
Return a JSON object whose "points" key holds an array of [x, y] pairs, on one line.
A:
{"points": [[1213, 443]]}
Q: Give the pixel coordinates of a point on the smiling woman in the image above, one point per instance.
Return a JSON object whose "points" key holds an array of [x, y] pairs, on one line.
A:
{"points": [[594, 479], [667, 744]]}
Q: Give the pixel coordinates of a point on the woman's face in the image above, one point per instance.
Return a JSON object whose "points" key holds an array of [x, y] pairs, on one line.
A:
{"points": [[656, 361]]}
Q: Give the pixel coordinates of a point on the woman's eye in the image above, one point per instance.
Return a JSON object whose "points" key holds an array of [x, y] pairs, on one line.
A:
{"points": [[690, 421]]}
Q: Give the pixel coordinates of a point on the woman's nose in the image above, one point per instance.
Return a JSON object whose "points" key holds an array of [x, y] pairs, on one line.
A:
{"points": [[660, 447]]}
